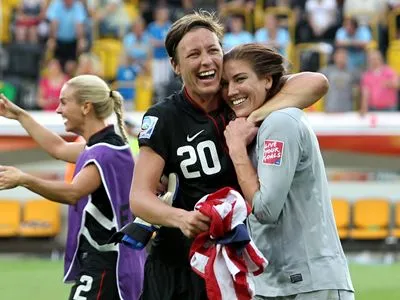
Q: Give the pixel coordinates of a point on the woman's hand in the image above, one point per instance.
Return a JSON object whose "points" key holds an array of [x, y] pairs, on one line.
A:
{"points": [[8, 109], [10, 177], [239, 133], [193, 223]]}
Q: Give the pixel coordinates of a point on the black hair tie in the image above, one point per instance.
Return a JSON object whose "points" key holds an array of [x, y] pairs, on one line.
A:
{"points": [[110, 93]]}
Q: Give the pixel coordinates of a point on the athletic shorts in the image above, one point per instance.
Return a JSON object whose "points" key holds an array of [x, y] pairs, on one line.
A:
{"points": [[97, 278], [316, 295], [171, 282]]}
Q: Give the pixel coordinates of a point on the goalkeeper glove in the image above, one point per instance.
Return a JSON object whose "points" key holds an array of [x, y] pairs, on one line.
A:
{"points": [[137, 234]]}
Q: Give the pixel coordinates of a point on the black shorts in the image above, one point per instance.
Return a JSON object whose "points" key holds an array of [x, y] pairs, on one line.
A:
{"points": [[171, 282], [97, 277]]}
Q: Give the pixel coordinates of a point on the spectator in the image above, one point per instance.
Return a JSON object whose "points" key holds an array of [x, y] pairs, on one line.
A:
{"points": [[322, 19], [89, 63], [372, 13], [161, 68], [226, 5], [272, 35], [342, 83], [354, 38], [50, 86], [137, 43], [365, 11], [67, 35], [126, 80], [236, 34], [379, 85], [110, 17], [28, 17]]}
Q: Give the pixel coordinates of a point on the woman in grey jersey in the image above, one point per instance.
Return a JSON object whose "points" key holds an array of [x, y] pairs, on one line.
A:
{"points": [[282, 176]]}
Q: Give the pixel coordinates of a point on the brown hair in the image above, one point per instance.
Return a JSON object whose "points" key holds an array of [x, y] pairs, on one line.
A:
{"points": [[263, 60], [179, 28], [93, 89]]}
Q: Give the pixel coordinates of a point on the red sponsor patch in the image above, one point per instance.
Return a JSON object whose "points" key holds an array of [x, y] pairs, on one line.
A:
{"points": [[273, 152]]}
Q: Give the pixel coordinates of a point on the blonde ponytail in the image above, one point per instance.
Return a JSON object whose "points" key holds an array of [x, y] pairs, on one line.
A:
{"points": [[119, 112]]}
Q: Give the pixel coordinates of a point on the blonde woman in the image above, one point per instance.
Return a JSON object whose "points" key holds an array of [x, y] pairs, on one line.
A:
{"points": [[98, 196]]}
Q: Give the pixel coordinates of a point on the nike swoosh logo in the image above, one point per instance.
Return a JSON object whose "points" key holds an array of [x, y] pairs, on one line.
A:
{"points": [[191, 138]]}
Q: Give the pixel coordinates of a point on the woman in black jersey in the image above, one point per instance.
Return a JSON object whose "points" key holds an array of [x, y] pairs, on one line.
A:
{"points": [[97, 196], [184, 134]]}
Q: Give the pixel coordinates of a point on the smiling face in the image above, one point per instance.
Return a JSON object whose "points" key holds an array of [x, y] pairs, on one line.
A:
{"points": [[70, 110], [242, 89], [199, 63]]}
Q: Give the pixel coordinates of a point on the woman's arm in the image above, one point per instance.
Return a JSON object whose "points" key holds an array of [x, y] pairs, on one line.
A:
{"points": [[145, 203], [300, 90], [52, 143], [279, 143], [238, 134], [85, 182]]}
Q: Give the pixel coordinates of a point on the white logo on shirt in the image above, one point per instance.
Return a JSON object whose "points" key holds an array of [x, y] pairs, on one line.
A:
{"points": [[191, 138], [148, 125]]}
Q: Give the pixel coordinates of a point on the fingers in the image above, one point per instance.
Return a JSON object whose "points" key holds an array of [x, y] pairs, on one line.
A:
{"points": [[3, 98], [195, 223]]}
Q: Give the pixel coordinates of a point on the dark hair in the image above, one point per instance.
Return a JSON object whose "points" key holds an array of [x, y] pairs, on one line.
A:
{"points": [[179, 28], [263, 60]]}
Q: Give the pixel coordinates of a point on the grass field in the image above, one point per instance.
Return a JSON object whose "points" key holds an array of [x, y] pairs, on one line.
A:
{"points": [[36, 279]]}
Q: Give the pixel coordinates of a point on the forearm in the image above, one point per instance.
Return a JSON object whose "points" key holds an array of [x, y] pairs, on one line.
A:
{"points": [[53, 30], [294, 94], [80, 31], [246, 175], [46, 139], [56, 191], [364, 102], [154, 211]]}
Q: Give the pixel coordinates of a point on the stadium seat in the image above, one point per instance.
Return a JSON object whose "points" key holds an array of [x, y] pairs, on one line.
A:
{"points": [[109, 51], [393, 15], [144, 92], [396, 229], [341, 209], [24, 60], [393, 57], [40, 218], [10, 217], [6, 12], [371, 218]]}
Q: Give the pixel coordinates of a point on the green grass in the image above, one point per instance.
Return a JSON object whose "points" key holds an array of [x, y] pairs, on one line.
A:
{"points": [[40, 279], [376, 282], [36, 279]]}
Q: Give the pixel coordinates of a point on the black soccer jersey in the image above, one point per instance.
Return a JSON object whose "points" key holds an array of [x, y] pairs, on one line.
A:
{"points": [[192, 144]]}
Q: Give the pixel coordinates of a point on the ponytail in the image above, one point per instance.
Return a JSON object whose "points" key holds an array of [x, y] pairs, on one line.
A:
{"points": [[119, 112]]}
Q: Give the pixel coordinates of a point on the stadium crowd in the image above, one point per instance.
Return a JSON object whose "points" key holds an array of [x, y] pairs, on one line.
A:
{"points": [[46, 42]]}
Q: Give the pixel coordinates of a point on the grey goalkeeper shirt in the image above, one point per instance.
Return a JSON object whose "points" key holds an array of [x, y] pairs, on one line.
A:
{"points": [[292, 221]]}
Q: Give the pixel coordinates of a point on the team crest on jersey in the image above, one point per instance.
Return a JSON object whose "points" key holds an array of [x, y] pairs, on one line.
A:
{"points": [[148, 125], [273, 152]]}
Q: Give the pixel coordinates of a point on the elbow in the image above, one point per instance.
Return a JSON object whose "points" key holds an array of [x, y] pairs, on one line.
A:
{"points": [[264, 210], [134, 203], [266, 217], [71, 198], [321, 84]]}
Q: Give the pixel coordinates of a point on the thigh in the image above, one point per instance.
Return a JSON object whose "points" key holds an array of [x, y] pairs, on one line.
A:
{"points": [[97, 278], [166, 282], [159, 281], [95, 286]]}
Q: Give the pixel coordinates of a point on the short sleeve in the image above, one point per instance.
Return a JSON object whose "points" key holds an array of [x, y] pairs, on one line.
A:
{"points": [[154, 132], [80, 13], [52, 11]]}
